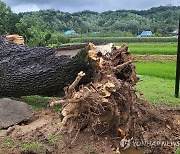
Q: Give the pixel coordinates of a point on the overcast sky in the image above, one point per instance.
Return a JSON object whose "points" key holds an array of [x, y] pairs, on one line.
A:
{"points": [[80, 5]]}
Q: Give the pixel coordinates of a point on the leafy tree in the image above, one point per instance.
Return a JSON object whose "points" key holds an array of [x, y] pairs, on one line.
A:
{"points": [[33, 29], [44, 27], [7, 19]]}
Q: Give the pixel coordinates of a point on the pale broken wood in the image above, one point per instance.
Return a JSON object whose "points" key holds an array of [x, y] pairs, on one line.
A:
{"points": [[16, 39]]}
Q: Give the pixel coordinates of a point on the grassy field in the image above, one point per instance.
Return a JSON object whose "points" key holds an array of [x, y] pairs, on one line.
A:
{"points": [[157, 91], [165, 70], [152, 48], [157, 78]]}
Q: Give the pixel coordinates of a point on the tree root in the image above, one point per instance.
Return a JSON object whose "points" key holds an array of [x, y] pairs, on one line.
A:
{"points": [[109, 105]]}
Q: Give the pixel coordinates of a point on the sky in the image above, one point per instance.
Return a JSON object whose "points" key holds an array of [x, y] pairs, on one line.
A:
{"points": [[80, 5]]}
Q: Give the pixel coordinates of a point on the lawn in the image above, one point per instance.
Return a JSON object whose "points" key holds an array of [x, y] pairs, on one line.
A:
{"points": [[158, 91], [157, 82], [152, 48]]}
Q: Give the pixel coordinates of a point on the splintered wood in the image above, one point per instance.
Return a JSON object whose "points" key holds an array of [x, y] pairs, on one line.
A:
{"points": [[96, 105], [15, 38]]}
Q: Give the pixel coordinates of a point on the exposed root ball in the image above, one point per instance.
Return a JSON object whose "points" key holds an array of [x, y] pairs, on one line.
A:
{"points": [[109, 105]]}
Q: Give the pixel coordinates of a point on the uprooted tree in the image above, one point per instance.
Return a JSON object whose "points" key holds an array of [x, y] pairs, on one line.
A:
{"points": [[101, 99], [109, 104]]}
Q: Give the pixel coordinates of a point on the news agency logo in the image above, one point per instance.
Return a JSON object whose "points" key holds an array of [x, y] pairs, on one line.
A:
{"points": [[127, 143]]}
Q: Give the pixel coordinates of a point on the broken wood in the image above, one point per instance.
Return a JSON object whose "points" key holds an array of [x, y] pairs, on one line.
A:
{"points": [[15, 38]]}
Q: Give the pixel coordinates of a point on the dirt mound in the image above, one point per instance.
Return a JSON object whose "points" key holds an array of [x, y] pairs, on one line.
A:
{"points": [[44, 126], [40, 127]]}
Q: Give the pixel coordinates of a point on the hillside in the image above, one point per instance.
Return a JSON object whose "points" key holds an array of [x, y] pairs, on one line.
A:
{"points": [[46, 27], [162, 20]]}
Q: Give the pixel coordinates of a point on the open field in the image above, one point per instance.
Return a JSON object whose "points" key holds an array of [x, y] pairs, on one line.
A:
{"points": [[152, 48], [156, 71], [165, 70], [155, 58]]}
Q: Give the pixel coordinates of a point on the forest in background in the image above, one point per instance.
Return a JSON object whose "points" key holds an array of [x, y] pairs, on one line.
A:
{"points": [[44, 27]]}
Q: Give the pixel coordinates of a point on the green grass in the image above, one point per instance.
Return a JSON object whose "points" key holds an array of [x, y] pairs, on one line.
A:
{"points": [[54, 139], [7, 143], [36, 101], [33, 146], [165, 70], [39, 102], [177, 151], [152, 48], [157, 90]]}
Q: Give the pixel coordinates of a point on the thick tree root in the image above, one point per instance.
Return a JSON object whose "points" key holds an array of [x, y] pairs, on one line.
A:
{"points": [[110, 105]]}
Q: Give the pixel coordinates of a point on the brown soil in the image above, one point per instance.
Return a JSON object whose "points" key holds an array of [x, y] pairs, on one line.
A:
{"points": [[46, 123], [155, 58]]}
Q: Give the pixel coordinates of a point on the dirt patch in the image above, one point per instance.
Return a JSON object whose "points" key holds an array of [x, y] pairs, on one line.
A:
{"points": [[43, 127], [155, 58], [40, 127]]}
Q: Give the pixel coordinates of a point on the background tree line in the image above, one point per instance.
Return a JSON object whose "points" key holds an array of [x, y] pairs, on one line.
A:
{"points": [[45, 27]]}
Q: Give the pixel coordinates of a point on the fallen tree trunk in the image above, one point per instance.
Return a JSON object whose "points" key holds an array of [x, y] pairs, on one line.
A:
{"points": [[41, 70]]}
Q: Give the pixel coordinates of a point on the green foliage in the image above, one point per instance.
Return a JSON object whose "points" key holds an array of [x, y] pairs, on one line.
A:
{"points": [[36, 32], [47, 27], [161, 20], [123, 39], [158, 91], [7, 19], [33, 146], [59, 39], [33, 30], [165, 70]]}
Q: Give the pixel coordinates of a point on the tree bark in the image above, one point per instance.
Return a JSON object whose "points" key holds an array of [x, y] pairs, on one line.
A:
{"points": [[41, 70]]}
